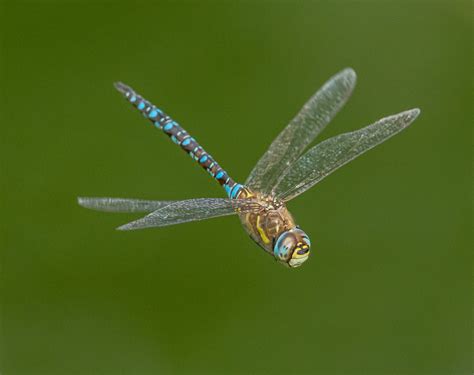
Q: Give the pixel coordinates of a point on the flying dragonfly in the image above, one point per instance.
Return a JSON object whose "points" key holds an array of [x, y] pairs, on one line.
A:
{"points": [[282, 173]]}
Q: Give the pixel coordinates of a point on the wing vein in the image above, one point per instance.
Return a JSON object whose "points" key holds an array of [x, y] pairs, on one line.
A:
{"points": [[301, 131], [331, 154]]}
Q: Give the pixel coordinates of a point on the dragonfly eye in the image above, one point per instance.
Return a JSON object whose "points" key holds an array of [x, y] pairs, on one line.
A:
{"points": [[292, 247]]}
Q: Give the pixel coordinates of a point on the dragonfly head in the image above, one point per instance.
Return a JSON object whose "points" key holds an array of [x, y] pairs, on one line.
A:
{"points": [[292, 247]]}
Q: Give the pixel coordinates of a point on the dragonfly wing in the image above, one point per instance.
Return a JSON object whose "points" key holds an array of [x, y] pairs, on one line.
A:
{"points": [[121, 204], [301, 131], [191, 210], [326, 157]]}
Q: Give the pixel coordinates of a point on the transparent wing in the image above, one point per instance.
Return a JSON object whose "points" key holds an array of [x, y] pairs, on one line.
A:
{"points": [[301, 131], [191, 210], [121, 204], [326, 157]]}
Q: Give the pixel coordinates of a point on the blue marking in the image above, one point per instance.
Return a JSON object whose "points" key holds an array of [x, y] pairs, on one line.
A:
{"points": [[153, 114], [235, 190], [157, 124], [186, 142], [279, 250], [141, 106], [168, 126], [174, 139], [227, 190], [203, 159], [133, 99], [219, 175]]}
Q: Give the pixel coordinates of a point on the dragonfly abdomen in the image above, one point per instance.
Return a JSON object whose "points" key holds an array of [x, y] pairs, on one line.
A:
{"points": [[182, 138]]}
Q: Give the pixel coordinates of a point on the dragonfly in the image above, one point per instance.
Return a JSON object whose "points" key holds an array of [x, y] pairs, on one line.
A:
{"points": [[283, 172]]}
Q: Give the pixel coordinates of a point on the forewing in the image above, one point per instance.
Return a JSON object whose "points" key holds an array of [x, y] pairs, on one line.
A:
{"points": [[301, 131], [326, 157], [121, 204], [191, 210]]}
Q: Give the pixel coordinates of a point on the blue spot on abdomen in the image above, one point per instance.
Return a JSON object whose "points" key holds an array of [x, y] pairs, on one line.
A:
{"points": [[235, 191], [186, 142], [168, 126]]}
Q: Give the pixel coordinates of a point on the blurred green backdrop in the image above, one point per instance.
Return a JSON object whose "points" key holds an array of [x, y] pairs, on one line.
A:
{"points": [[387, 290]]}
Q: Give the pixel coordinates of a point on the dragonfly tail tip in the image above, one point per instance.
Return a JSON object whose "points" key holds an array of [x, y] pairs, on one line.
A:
{"points": [[121, 87]]}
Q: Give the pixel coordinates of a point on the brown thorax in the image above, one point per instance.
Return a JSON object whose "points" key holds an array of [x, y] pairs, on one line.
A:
{"points": [[265, 225]]}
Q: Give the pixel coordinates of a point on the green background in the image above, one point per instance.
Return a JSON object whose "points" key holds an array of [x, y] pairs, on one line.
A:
{"points": [[387, 288]]}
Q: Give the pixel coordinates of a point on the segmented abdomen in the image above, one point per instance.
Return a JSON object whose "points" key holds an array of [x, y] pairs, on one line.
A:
{"points": [[181, 137]]}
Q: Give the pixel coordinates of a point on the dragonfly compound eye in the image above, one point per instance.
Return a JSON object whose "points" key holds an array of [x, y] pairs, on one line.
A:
{"points": [[292, 247]]}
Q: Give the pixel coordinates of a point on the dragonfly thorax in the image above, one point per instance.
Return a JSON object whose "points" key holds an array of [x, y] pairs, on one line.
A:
{"points": [[270, 203], [273, 228]]}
